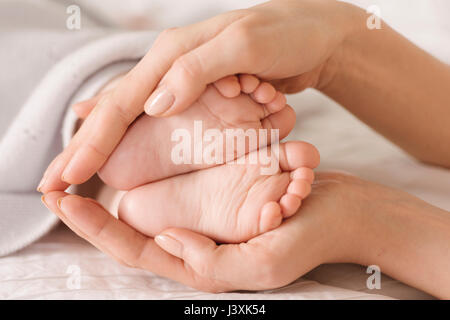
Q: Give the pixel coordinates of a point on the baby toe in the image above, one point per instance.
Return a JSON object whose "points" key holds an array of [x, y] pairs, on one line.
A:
{"points": [[277, 103], [289, 204], [303, 173], [229, 86], [265, 93], [248, 83], [270, 217], [300, 188]]}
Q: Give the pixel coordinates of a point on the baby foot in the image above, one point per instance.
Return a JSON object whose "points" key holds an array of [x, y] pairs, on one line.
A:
{"points": [[230, 203], [144, 154]]}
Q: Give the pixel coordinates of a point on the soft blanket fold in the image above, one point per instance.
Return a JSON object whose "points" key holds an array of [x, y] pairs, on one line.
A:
{"points": [[34, 137]]}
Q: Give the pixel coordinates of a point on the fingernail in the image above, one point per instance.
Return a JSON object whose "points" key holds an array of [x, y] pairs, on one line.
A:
{"points": [[66, 170], [170, 245], [59, 203], [159, 102], [43, 201], [41, 183]]}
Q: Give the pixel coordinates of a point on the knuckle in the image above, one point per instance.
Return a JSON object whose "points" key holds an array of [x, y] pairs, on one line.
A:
{"points": [[167, 35], [134, 264], [245, 41], [100, 228], [189, 64], [242, 33], [137, 260], [124, 115], [96, 149]]}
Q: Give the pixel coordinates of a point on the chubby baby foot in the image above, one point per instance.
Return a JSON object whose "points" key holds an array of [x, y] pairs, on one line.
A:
{"points": [[145, 152], [230, 203]]}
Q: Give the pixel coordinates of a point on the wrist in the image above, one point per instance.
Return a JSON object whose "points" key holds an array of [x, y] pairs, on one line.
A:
{"points": [[407, 238], [353, 221], [353, 27], [341, 223]]}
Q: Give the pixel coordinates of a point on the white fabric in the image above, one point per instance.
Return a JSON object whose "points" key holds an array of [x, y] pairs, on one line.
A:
{"points": [[46, 270], [87, 90], [34, 136]]}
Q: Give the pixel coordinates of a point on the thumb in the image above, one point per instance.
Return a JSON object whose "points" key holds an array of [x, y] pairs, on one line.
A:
{"points": [[189, 75], [246, 266], [231, 264], [190, 246]]}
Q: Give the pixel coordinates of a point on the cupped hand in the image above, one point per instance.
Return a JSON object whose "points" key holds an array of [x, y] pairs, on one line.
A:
{"points": [[322, 232], [288, 42]]}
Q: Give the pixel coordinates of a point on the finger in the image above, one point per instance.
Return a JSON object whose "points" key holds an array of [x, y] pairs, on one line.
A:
{"points": [[193, 71], [91, 221], [83, 108], [52, 179], [230, 266], [229, 86], [96, 139], [50, 200]]}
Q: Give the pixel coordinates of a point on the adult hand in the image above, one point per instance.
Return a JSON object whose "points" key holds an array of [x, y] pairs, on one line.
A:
{"points": [[286, 41], [323, 231], [345, 219]]}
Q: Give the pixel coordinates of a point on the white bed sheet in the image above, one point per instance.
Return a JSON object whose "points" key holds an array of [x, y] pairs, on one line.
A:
{"points": [[40, 270]]}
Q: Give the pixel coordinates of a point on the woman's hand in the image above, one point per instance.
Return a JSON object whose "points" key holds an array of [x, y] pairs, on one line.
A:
{"points": [[286, 41], [316, 235], [345, 219], [325, 230]]}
